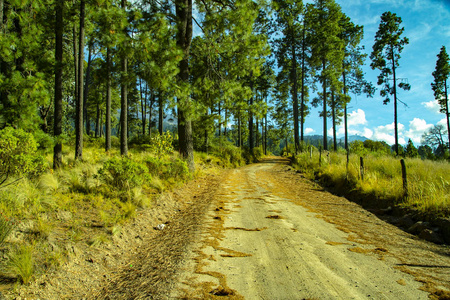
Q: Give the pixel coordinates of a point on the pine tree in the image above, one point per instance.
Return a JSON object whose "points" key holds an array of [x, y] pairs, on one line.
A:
{"points": [[289, 50], [352, 74], [322, 20], [439, 86], [385, 55]]}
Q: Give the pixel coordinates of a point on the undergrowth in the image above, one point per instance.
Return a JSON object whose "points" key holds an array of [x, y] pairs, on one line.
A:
{"points": [[88, 201], [428, 181]]}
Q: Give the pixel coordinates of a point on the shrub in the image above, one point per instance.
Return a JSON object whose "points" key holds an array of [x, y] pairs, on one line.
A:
{"points": [[162, 144], [123, 173], [175, 168], [18, 154]]}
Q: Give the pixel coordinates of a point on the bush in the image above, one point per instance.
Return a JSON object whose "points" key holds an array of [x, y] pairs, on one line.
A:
{"points": [[18, 154], [162, 144], [123, 173], [174, 168]]}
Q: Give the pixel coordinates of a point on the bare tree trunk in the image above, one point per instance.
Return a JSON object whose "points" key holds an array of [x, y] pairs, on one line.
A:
{"points": [[58, 115], [324, 85], [184, 39], [160, 112], [333, 110], [108, 101], [123, 100], [86, 91], [295, 98], [79, 106]]}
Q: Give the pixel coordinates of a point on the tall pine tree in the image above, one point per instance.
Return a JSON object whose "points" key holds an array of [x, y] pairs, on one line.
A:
{"points": [[440, 88], [385, 55]]}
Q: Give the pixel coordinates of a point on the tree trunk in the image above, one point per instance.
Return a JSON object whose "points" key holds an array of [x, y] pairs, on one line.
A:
{"points": [[333, 110], [265, 132], [250, 118], [295, 99], [447, 114], [395, 102], [345, 112], [302, 108], [324, 112], [86, 91], [123, 100], [160, 113], [58, 113], [143, 107], [79, 106], [97, 121], [108, 101], [184, 39]]}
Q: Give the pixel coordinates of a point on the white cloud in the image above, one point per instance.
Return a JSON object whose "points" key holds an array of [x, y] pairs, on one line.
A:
{"points": [[386, 133], [432, 105], [357, 117], [309, 130], [416, 128], [443, 122]]}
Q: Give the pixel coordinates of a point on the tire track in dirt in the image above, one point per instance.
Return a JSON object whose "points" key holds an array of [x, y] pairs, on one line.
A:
{"points": [[260, 242]]}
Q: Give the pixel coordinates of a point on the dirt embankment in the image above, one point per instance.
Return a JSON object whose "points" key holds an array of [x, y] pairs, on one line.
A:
{"points": [[257, 232]]}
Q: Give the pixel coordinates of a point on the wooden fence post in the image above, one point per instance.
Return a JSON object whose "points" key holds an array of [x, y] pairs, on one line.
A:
{"points": [[361, 167], [405, 180], [348, 161], [320, 157]]}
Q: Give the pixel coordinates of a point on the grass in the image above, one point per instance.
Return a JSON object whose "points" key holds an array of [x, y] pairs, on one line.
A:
{"points": [[21, 263], [74, 205], [428, 181]]}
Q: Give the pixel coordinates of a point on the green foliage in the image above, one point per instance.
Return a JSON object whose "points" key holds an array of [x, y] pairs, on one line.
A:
{"points": [[229, 154], [162, 145], [411, 150], [18, 154], [21, 263], [6, 226], [441, 75], [174, 168], [122, 173]]}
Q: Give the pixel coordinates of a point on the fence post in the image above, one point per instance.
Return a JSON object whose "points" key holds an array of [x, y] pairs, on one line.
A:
{"points": [[320, 157], [348, 161], [310, 152], [361, 167], [405, 180]]}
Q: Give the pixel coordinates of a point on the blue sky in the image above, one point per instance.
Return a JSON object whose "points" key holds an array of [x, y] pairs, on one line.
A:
{"points": [[427, 25]]}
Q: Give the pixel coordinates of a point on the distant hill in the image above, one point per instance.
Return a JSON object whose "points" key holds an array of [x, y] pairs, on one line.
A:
{"points": [[315, 140]]}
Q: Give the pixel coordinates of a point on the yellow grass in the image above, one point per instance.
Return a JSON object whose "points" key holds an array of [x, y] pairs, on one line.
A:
{"points": [[428, 181]]}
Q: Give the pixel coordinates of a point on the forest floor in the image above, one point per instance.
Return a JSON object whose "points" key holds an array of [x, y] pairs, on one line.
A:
{"points": [[257, 232]]}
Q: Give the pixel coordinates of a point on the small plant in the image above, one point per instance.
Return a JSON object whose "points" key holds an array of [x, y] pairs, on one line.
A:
{"points": [[21, 263], [6, 226]]}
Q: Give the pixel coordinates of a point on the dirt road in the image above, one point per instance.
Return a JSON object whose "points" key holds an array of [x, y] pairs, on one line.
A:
{"points": [[267, 237], [257, 232]]}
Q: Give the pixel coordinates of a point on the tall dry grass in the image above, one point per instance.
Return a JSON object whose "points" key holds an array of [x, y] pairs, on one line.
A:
{"points": [[428, 181]]}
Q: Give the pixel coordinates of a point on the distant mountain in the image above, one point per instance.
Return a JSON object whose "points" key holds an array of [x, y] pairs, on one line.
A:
{"points": [[317, 140]]}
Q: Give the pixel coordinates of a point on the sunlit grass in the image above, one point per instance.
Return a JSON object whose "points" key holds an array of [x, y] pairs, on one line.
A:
{"points": [[428, 181]]}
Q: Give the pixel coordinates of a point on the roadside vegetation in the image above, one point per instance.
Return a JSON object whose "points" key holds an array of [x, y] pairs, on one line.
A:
{"points": [[45, 211], [380, 180]]}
